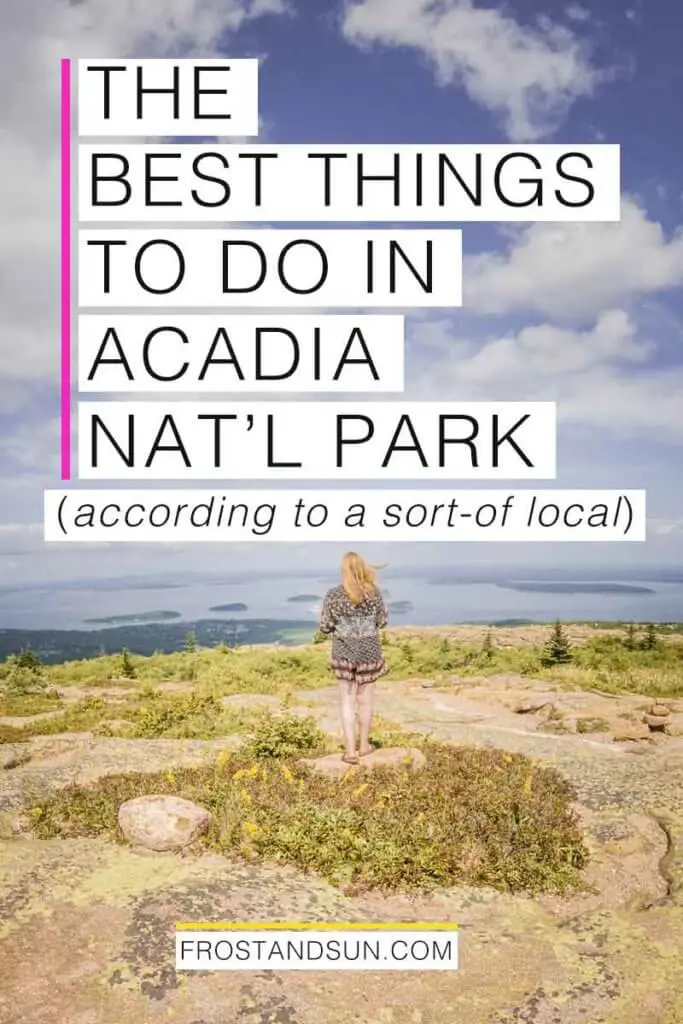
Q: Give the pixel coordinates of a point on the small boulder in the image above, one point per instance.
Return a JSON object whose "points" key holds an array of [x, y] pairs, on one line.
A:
{"points": [[531, 706], [384, 757], [13, 755], [111, 727], [162, 823], [395, 757], [660, 710], [674, 726], [626, 730], [655, 722]]}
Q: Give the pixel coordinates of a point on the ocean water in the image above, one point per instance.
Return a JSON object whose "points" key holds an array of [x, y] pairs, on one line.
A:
{"points": [[433, 604]]}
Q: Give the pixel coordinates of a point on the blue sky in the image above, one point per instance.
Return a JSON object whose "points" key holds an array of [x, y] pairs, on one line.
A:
{"points": [[598, 327]]}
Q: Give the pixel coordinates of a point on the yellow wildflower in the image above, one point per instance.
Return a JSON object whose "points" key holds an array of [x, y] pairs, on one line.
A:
{"points": [[527, 785], [251, 828], [170, 777], [360, 789], [287, 773]]}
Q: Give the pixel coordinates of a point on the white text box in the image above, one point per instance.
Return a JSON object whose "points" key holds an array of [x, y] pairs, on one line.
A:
{"points": [[409, 516], [316, 440], [252, 353], [341, 183], [270, 267], [318, 949], [213, 96]]}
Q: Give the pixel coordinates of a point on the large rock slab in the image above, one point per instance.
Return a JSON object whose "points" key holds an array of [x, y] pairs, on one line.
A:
{"points": [[385, 757], [162, 823]]}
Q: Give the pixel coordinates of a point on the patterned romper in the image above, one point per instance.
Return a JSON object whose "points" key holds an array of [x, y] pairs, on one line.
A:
{"points": [[356, 648]]}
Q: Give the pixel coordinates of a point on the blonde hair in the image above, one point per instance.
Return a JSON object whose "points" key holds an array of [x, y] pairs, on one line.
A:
{"points": [[358, 577]]}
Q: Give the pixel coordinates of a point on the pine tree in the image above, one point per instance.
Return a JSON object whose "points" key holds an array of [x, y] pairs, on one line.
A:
{"points": [[557, 650], [488, 647], [407, 652], [650, 637], [630, 638], [127, 666], [28, 659], [190, 643]]}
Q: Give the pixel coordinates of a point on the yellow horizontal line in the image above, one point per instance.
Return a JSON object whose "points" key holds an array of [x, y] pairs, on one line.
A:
{"points": [[313, 926]]}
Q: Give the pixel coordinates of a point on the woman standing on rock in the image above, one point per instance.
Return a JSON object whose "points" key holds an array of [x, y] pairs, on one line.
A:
{"points": [[353, 613]]}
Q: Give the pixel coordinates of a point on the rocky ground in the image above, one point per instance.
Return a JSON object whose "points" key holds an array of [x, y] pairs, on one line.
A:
{"points": [[86, 926]]}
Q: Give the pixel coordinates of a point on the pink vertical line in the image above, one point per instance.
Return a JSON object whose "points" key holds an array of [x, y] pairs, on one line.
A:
{"points": [[66, 267]]}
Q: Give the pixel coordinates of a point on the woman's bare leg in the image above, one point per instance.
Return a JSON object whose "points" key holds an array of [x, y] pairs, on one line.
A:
{"points": [[366, 699], [347, 693]]}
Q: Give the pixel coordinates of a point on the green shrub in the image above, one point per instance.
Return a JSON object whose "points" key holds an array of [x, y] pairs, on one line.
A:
{"points": [[184, 714], [18, 679], [286, 735]]}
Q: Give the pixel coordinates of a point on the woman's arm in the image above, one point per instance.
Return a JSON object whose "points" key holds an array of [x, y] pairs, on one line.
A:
{"points": [[328, 619]]}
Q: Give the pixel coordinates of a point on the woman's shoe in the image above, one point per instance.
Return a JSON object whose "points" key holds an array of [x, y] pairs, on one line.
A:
{"points": [[370, 750], [347, 759]]}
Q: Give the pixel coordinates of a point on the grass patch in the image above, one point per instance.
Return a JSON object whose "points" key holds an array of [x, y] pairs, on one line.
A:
{"points": [[601, 661], [588, 725], [476, 817], [149, 714], [25, 705]]}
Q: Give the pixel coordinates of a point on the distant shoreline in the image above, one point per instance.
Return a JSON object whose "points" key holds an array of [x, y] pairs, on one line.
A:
{"points": [[60, 645], [576, 588], [134, 619]]}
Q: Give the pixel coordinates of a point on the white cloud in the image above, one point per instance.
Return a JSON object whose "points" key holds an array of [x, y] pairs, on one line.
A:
{"points": [[574, 271], [33, 38], [665, 527], [528, 76], [575, 12], [589, 373]]}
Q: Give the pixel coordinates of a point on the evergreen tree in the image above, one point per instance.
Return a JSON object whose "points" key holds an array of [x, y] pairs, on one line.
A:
{"points": [[650, 637], [26, 658], [190, 643], [557, 650], [127, 666], [407, 651], [488, 647], [630, 638]]}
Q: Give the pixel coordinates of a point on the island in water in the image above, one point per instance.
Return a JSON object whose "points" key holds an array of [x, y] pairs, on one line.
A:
{"points": [[134, 618], [233, 606], [303, 598], [576, 588], [400, 607]]}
